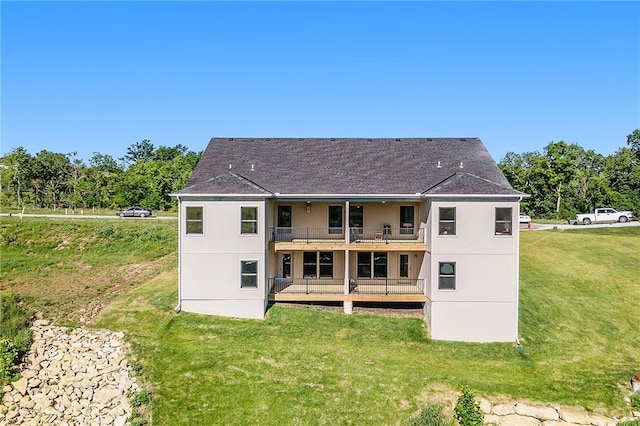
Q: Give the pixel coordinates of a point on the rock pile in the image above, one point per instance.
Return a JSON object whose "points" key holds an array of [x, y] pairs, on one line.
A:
{"points": [[72, 377]]}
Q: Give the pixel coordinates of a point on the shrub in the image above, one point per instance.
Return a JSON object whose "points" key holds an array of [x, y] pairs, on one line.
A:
{"points": [[143, 396], [431, 415], [630, 423], [467, 410], [635, 401], [8, 356]]}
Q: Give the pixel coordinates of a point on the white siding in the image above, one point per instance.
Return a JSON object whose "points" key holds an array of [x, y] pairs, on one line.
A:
{"points": [[483, 306], [473, 321], [210, 263]]}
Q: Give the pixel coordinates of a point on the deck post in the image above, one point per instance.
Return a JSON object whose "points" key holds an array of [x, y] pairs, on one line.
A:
{"points": [[348, 306]]}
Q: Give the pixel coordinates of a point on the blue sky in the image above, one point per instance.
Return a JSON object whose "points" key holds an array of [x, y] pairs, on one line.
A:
{"points": [[100, 76]]}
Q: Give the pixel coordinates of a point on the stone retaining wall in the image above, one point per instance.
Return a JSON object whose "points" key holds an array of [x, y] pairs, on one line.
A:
{"points": [[520, 414], [72, 377]]}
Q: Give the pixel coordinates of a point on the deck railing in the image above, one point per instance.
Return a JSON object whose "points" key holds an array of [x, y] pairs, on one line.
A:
{"points": [[382, 235], [386, 286], [307, 285], [306, 234]]}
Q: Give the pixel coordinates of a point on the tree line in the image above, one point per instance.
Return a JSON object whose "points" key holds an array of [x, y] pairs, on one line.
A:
{"points": [[562, 180], [565, 179], [145, 176]]}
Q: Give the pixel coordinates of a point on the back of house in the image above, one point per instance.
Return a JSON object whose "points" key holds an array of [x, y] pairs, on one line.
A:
{"points": [[353, 220]]}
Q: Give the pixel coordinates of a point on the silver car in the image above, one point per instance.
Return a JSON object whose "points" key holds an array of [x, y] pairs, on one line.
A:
{"points": [[134, 212]]}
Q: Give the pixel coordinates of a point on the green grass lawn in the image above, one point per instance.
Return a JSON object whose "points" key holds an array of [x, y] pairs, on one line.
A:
{"points": [[580, 293], [67, 267]]}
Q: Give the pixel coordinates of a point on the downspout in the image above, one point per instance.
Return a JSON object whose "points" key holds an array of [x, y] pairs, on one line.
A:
{"points": [[519, 346], [178, 307]]}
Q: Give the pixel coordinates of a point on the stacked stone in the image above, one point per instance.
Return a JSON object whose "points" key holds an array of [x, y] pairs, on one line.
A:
{"points": [[72, 377], [519, 414]]}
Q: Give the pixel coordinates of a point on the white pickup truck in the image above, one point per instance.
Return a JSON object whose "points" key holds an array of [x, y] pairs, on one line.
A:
{"points": [[604, 215]]}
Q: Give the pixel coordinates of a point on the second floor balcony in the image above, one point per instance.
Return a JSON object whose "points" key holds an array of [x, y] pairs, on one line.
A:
{"points": [[381, 235]]}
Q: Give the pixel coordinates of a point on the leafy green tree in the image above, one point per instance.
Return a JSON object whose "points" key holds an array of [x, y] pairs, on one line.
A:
{"points": [[139, 151], [103, 183], [166, 153], [50, 178], [16, 177], [633, 140]]}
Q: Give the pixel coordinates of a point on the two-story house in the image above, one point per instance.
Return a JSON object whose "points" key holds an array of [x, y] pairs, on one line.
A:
{"points": [[429, 220]]}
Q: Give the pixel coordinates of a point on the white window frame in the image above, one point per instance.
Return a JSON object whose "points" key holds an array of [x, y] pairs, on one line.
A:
{"points": [[446, 276], [244, 274], [251, 221], [188, 221], [505, 225], [442, 228]]}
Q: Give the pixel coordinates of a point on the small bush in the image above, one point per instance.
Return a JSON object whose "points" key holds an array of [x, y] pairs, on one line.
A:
{"points": [[431, 415], [635, 401], [141, 397], [8, 356], [467, 410], [136, 366]]}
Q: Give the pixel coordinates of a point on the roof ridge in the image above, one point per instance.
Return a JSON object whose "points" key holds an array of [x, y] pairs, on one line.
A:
{"points": [[249, 182], [453, 177]]}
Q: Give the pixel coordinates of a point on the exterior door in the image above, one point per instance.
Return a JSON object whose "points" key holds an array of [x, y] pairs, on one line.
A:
{"points": [[286, 265], [404, 266], [356, 218]]}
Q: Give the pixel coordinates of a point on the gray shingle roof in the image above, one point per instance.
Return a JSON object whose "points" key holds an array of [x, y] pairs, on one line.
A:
{"points": [[347, 166]]}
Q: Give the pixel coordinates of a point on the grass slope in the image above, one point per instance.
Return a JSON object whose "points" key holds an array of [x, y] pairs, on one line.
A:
{"points": [[69, 268], [300, 366], [580, 293]]}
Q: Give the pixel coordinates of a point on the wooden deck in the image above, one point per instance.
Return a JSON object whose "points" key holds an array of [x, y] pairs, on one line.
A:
{"points": [[367, 292]]}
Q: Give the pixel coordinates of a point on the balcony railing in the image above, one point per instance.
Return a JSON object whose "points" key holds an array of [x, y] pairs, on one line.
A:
{"points": [[384, 234], [388, 286], [308, 235], [385, 286], [307, 285]]}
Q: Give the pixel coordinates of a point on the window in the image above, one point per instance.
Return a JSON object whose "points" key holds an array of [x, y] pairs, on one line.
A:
{"points": [[335, 219], [375, 262], [447, 223], [249, 274], [380, 265], [326, 264], [447, 277], [310, 264], [284, 216], [404, 266], [364, 265], [406, 219], [317, 264], [503, 221], [194, 220], [356, 217], [249, 218]]}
